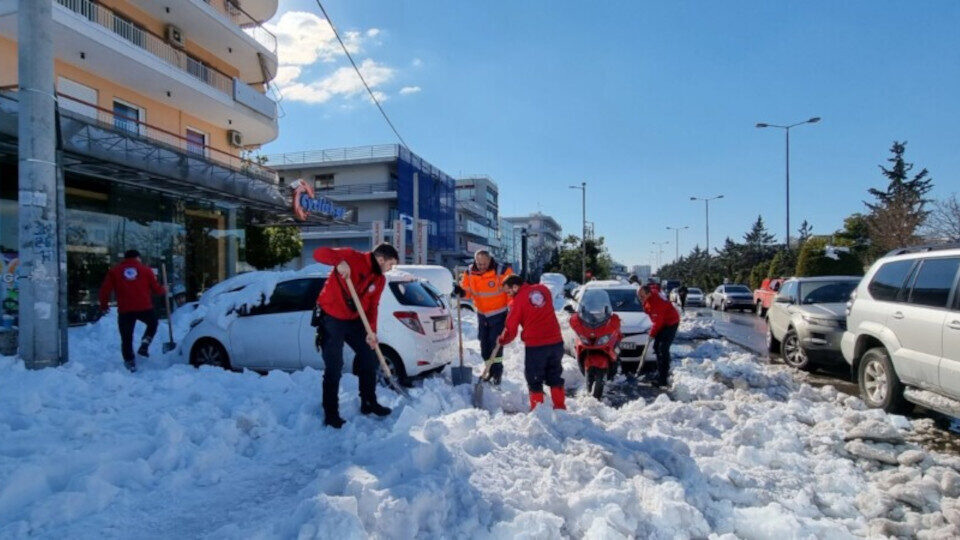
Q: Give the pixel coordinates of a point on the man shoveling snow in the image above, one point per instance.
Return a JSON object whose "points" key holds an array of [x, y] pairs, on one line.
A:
{"points": [[133, 282]]}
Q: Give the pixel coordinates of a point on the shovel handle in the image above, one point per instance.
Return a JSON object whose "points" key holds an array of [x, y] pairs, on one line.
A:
{"points": [[489, 362], [366, 325], [166, 298], [459, 331]]}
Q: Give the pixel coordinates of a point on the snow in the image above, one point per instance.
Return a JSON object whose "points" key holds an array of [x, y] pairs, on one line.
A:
{"points": [[737, 449]]}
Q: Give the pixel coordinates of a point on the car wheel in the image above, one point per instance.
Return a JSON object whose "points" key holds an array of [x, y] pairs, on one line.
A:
{"points": [[879, 385], [396, 367], [792, 351], [209, 352], [773, 344]]}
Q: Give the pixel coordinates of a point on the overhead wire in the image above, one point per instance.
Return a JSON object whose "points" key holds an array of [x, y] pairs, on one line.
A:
{"points": [[359, 74]]}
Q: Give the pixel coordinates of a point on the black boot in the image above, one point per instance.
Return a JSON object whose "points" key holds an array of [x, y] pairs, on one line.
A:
{"points": [[368, 407], [130, 365], [333, 420], [144, 348]]}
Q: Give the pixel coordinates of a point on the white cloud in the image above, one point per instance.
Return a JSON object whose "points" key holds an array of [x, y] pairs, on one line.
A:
{"points": [[343, 82], [409, 90], [417, 62]]}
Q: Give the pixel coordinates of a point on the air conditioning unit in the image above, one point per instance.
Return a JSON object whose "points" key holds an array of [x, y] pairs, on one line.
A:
{"points": [[174, 36], [235, 138]]}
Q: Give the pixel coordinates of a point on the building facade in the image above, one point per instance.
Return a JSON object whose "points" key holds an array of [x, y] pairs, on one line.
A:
{"points": [[478, 217], [544, 235], [381, 184], [509, 248], [157, 102], [642, 271]]}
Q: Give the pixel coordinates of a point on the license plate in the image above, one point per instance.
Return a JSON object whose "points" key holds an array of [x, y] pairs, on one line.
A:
{"points": [[628, 345], [440, 325]]}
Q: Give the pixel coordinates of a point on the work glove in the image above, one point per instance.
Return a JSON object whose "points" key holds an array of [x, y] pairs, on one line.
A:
{"points": [[458, 290]]}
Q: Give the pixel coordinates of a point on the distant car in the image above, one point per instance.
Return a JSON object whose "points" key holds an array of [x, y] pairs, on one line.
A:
{"points": [[807, 319], [727, 297], [634, 323], [415, 328], [555, 282], [763, 297], [694, 297]]}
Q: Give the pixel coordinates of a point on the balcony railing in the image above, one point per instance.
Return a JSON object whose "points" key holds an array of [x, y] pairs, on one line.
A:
{"points": [[244, 20], [150, 42], [336, 154], [358, 189]]}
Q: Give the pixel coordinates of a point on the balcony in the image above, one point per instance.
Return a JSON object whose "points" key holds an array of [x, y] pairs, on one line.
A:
{"points": [[95, 142], [360, 192], [380, 152]]}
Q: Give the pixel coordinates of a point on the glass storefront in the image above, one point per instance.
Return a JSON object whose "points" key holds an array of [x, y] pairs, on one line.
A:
{"points": [[198, 242]]}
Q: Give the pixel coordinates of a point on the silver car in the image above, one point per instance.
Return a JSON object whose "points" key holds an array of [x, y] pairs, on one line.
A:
{"points": [[731, 296], [807, 319]]}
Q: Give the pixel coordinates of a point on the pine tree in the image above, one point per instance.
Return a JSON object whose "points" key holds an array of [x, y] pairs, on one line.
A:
{"points": [[805, 232], [899, 210]]}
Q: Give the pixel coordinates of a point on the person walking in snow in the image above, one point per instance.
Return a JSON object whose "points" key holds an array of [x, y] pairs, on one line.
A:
{"points": [[133, 283], [532, 308], [682, 292], [339, 322], [665, 320], [483, 283]]}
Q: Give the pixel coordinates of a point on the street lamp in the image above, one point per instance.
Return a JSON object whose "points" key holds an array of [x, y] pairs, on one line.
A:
{"points": [[786, 129], [659, 252], [583, 241], [706, 203], [677, 244]]}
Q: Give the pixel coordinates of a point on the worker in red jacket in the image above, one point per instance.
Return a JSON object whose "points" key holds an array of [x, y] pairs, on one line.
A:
{"points": [[532, 308], [134, 282], [339, 323], [665, 320]]}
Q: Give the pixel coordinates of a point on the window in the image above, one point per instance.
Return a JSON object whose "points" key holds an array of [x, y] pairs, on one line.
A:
{"points": [[888, 280], [126, 117], [283, 181], [413, 293], [934, 280], [788, 293], [624, 300], [196, 142], [291, 296], [323, 181], [827, 292], [738, 289]]}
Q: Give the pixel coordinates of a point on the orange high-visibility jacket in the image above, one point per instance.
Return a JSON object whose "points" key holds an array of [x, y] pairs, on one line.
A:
{"points": [[486, 288]]}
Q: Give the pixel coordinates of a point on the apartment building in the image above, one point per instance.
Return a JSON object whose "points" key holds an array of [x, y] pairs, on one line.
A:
{"points": [[510, 246], [543, 238], [157, 101], [478, 217], [374, 184]]}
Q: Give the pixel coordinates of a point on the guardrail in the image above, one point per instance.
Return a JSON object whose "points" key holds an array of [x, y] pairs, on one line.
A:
{"points": [[335, 154]]}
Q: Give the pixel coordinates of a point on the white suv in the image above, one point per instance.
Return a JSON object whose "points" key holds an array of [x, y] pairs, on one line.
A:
{"points": [[903, 330]]}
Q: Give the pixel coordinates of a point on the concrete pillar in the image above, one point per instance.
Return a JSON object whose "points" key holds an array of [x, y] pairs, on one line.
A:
{"points": [[40, 254], [233, 242]]}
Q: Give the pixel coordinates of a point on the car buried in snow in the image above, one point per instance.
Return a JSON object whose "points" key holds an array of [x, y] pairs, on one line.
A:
{"points": [[262, 323]]}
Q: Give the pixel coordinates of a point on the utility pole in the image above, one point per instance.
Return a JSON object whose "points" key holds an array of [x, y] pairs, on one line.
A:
{"points": [[787, 128], [677, 230], [583, 263], [41, 263], [706, 203], [659, 252]]}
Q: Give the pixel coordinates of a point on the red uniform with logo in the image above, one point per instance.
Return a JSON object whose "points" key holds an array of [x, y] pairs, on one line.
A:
{"points": [[134, 283], [666, 320], [532, 308]]}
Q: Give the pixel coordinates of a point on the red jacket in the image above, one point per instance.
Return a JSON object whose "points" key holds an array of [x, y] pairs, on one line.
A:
{"points": [[367, 279], [661, 312], [134, 283], [532, 308]]}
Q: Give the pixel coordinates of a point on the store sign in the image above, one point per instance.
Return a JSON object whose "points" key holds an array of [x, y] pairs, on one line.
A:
{"points": [[400, 239], [376, 233], [305, 202], [420, 242]]}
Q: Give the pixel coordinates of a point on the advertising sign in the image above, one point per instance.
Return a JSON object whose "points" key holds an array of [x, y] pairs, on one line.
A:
{"points": [[420, 242], [400, 239], [305, 202], [9, 292], [376, 233]]}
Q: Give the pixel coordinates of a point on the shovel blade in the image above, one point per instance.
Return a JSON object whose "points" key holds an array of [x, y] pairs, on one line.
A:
{"points": [[461, 375], [169, 346]]}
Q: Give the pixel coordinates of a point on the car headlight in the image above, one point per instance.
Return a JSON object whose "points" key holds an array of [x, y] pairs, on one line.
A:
{"points": [[820, 321], [603, 340]]}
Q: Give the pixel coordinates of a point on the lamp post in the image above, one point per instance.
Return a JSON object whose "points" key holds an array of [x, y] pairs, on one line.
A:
{"points": [[583, 239], [706, 203], [659, 251], [677, 244], [786, 129]]}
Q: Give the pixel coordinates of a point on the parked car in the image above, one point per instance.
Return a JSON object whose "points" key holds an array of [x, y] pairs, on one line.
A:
{"points": [[415, 328], [694, 297], [763, 297], [556, 283], [439, 277], [807, 318], [903, 330], [634, 323], [729, 296]]}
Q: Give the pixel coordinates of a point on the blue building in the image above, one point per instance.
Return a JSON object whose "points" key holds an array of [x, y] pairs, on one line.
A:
{"points": [[374, 183]]}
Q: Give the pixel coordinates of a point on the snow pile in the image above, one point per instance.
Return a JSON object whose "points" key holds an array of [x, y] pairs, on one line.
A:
{"points": [[738, 448], [695, 327]]}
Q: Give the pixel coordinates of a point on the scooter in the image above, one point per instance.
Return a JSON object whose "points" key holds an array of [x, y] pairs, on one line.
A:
{"points": [[598, 334]]}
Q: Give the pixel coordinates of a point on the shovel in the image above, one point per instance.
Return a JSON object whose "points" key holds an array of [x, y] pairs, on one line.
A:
{"points": [[387, 374], [460, 375], [170, 345], [478, 388]]}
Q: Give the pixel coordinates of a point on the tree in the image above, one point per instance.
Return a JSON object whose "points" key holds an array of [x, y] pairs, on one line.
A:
{"points": [[571, 255], [268, 247], [899, 210], [815, 261], [805, 232], [944, 221], [758, 243], [783, 264]]}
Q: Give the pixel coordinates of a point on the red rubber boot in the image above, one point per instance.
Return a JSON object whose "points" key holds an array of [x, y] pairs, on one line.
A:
{"points": [[536, 398], [558, 397]]}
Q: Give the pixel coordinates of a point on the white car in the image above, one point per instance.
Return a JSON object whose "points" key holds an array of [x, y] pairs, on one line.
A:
{"points": [[634, 323], [903, 330], [240, 328], [555, 282]]}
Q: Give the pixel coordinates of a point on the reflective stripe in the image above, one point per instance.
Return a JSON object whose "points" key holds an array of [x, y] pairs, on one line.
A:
{"points": [[486, 294], [493, 312]]}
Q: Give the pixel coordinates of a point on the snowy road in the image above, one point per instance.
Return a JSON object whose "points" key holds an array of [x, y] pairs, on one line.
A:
{"points": [[736, 448]]}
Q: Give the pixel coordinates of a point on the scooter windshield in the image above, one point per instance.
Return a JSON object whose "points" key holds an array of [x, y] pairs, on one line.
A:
{"points": [[595, 308]]}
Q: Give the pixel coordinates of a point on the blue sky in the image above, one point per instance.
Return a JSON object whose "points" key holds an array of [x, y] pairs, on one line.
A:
{"points": [[648, 102]]}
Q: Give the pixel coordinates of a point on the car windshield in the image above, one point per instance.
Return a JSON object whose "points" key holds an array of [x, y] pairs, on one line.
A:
{"points": [[624, 300], [694, 290], [737, 289], [826, 292], [414, 293]]}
